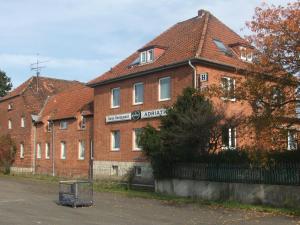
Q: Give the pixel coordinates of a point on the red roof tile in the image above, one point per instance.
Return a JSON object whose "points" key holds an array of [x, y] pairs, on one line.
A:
{"points": [[186, 40], [67, 104]]}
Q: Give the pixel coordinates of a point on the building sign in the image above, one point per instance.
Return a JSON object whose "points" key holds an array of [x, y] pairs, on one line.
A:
{"points": [[118, 117], [136, 115], [153, 113]]}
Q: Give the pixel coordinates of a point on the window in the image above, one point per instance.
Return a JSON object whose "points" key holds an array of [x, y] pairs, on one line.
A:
{"points": [[138, 93], [81, 150], [115, 97], [143, 57], [38, 151], [9, 124], [92, 149], [220, 45], [63, 125], [63, 153], [277, 96], [229, 137], [136, 137], [48, 126], [246, 55], [22, 151], [201, 80], [47, 151], [138, 171], [150, 55], [292, 140], [23, 121], [10, 106], [82, 123], [115, 140], [164, 89], [228, 86], [115, 170], [147, 56]]}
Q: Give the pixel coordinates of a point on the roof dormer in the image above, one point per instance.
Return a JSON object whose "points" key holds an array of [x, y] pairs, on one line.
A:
{"points": [[243, 50], [148, 55]]}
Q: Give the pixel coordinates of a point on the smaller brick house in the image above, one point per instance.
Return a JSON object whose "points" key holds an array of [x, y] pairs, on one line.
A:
{"points": [[64, 131], [18, 109]]}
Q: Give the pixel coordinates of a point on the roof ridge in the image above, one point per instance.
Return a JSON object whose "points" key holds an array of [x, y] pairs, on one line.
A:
{"points": [[203, 35]]}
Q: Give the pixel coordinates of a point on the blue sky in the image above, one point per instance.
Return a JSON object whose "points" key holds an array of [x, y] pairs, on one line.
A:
{"points": [[81, 39]]}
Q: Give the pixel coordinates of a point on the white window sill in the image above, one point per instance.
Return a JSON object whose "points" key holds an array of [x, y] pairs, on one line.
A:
{"points": [[115, 107], [22, 157], [81, 159], [47, 158], [115, 150], [137, 150], [163, 100], [138, 103], [228, 99]]}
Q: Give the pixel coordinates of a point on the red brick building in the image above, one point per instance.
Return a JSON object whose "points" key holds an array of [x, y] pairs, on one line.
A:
{"points": [[20, 107], [193, 53], [64, 132]]}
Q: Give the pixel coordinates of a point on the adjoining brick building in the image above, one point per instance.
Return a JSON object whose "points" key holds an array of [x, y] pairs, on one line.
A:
{"points": [[20, 108], [194, 53], [64, 131]]}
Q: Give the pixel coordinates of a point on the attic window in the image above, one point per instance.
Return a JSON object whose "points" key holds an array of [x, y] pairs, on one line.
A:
{"points": [[10, 106], [246, 55], [147, 56], [222, 47]]}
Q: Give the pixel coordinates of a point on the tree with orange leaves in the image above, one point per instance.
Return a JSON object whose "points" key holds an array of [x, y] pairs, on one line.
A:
{"points": [[271, 85]]}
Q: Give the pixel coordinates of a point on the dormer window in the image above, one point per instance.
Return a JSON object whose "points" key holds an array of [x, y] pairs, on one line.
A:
{"points": [[147, 56], [246, 55]]}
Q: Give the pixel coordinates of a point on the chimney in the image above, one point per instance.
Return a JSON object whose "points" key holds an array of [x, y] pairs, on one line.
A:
{"points": [[202, 12]]}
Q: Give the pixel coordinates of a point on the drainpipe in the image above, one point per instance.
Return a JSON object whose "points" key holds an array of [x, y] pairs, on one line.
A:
{"points": [[51, 123], [34, 149], [194, 75]]}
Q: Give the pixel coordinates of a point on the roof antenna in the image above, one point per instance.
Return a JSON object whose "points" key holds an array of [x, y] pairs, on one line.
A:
{"points": [[37, 68]]}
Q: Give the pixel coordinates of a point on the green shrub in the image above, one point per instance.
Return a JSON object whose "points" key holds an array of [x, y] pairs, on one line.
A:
{"points": [[7, 153]]}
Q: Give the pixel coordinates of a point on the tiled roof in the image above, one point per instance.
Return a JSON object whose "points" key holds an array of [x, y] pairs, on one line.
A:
{"points": [[186, 40], [67, 104], [47, 86]]}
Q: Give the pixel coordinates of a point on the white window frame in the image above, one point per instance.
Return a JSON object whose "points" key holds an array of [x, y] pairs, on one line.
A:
{"points": [[159, 87], [112, 98], [143, 56], [134, 144], [290, 146], [63, 150], [81, 148], [48, 128], [230, 144], [38, 151], [138, 171], [113, 140], [149, 53], [134, 93], [61, 127], [23, 122], [22, 151], [10, 106], [228, 79], [82, 123], [47, 150], [9, 124]]}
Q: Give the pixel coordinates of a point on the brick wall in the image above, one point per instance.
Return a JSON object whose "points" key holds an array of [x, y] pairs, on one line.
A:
{"points": [[72, 165]]}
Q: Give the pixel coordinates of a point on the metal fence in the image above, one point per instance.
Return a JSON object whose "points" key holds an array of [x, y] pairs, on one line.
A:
{"points": [[281, 174]]}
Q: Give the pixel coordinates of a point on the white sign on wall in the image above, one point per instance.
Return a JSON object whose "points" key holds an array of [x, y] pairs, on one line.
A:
{"points": [[136, 115], [118, 117]]}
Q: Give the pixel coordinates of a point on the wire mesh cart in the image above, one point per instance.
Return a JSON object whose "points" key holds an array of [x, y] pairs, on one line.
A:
{"points": [[76, 193]]}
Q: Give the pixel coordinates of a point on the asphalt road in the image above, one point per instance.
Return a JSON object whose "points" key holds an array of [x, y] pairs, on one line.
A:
{"points": [[27, 202]]}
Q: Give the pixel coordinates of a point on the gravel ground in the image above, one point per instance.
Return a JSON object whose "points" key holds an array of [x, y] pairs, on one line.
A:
{"points": [[27, 202]]}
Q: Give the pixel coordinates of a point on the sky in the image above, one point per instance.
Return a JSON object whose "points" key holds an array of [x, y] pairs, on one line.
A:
{"points": [[81, 39]]}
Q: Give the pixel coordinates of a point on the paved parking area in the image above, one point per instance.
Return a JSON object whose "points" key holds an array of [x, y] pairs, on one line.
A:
{"points": [[27, 202]]}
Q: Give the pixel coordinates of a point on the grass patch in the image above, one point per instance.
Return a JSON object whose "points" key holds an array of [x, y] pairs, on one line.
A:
{"points": [[108, 186]]}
